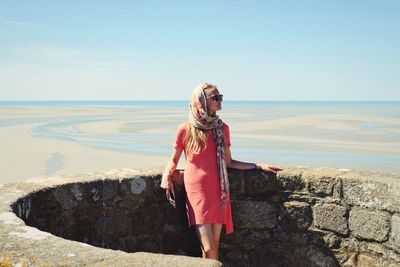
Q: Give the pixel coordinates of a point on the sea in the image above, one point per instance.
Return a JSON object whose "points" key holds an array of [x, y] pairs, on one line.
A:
{"points": [[362, 135]]}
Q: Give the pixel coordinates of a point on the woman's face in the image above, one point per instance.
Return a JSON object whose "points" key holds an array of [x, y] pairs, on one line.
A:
{"points": [[214, 101]]}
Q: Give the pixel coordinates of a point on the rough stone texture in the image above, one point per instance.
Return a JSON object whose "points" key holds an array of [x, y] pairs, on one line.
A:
{"points": [[350, 260], [315, 256], [121, 218], [394, 237], [331, 217], [351, 244], [380, 251], [365, 260], [331, 240], [251, 183], [320, 182], [254, 214], [296, 216], [303, 197], [372, 225], [259, 183], [371, 190], [84, 207], [291, 179]]}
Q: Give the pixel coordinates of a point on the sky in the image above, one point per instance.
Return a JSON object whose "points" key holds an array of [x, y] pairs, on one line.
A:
{"points": [[160, 50]]}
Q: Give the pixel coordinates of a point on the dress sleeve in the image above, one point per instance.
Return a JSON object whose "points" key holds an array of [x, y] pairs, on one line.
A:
{"points": [[178, 141], [227, 135]]}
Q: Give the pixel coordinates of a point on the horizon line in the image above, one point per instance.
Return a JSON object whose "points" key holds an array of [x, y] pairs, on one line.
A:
{"points": [[183, 100]]}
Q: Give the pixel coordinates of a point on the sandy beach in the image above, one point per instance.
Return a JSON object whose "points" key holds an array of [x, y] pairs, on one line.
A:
{"points": [[25, 156], [49, 141], [307, 131]]}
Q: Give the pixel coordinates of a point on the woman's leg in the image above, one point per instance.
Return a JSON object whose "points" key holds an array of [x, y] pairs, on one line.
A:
{"points": [[216, 229], [206, 237]]}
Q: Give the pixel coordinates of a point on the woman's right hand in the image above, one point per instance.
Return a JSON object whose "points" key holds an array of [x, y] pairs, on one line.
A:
{"points": [[166, 181]]}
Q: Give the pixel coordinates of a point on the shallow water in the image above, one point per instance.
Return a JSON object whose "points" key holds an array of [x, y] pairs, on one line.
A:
{"points": [[357, 135]]}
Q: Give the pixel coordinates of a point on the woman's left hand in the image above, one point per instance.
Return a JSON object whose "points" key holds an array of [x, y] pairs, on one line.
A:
{"points": [[267, 168]]}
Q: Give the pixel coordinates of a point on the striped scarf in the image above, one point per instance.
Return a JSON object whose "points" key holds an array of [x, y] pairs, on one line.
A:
{"points": [[199, 118]]}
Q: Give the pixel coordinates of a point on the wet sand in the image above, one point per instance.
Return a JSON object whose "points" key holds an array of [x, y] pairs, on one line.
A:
{"points": [[24, 155]]}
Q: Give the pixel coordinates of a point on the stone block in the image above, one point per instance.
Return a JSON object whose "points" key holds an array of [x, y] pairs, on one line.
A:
{"points": [[260, 183], [331, 240], [367, 261], [370, 225], [291, 180], [124, 187], [350, 261], [236, 183], [296, 216], [350, 244], [254, 214], [394, 237], [320, 182], [331, 217], [383, 251], [371, 194], [338, 188]]}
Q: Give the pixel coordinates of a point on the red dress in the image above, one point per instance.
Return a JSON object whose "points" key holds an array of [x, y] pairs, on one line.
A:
{"points": [[201, 181]]}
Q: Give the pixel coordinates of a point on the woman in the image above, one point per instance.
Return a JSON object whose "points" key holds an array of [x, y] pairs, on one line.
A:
{"points": [[206, 142]]}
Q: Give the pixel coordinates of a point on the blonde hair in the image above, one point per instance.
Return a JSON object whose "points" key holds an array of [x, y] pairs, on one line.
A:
{"points": [[195, 140]]}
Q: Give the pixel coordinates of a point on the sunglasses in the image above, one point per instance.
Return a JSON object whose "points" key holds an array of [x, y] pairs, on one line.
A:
{"points": [[216, 98]]}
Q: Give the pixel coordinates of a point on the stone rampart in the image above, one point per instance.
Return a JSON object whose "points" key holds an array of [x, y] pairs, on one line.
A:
{"points": [[300, 217]]}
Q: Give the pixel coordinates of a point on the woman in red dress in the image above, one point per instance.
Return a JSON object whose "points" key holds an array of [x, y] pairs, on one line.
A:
{"points": [[205, 139]]}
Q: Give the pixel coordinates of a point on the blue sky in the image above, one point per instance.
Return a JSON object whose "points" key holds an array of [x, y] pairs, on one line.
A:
{"points": [[160, 50]]}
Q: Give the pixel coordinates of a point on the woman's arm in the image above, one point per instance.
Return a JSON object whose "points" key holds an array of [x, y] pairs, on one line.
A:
{"points": [[171, 167], [241, 165]]}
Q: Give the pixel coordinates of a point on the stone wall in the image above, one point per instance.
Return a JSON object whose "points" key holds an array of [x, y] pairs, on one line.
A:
{"points": [[314, 217], [69, 220], [301, 217]]}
